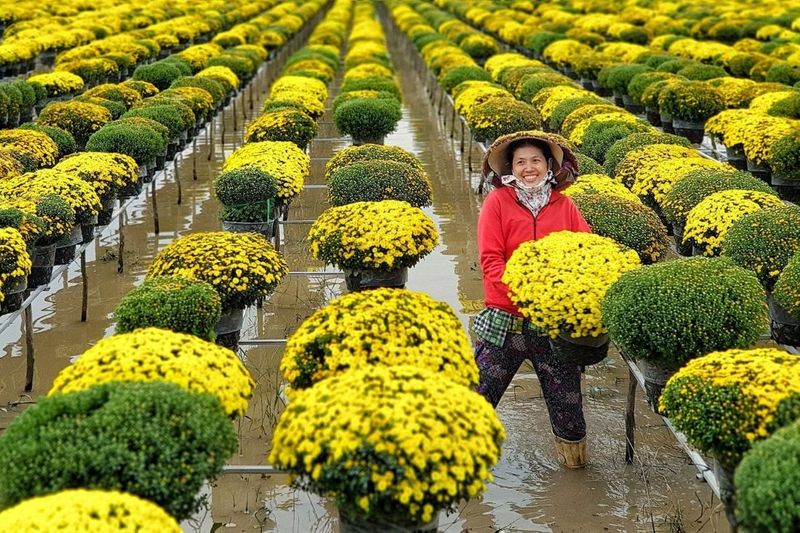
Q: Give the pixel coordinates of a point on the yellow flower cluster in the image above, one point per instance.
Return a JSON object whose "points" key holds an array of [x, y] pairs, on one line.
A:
{"points": [[9, 165], [118, 92], [758, 142], [735, 91], [81, 119], [79, 194], [656, 178], [242, 267], [289, 165], [708, 222], [389, 234], [224, 75], [153, 354], [600, 183], [291, 125], [499, 62], [726, 400], [383, 326], [477, 93], [34, 145], [290, 86], [760, 105], [559, 281], [729, 126], [12, 245], [58, 83], [565, 52], [88, 511], [546, 100], [198, 55], [411, 441], [628, 168]]}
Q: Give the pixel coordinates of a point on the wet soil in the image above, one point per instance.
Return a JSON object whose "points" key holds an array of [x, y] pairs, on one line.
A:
{"points": [[659, 492]]}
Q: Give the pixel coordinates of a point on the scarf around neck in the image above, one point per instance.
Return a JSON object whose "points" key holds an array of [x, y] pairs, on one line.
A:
{"points": [[534, 198]]}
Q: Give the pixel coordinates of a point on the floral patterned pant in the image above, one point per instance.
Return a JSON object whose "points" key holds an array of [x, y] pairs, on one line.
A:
{"points": [[561, 384]]}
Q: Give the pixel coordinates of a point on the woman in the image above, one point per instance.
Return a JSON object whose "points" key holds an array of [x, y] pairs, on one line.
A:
{"points": [[529, 169]]}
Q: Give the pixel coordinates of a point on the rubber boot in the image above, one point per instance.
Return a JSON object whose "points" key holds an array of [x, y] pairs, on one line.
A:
{"points": [[571, 454]]}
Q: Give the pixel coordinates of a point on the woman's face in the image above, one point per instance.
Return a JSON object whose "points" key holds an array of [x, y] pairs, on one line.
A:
{"points": [[529, 165]]}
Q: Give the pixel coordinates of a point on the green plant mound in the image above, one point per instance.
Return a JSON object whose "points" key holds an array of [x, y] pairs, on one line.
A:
{"points": [[212, 87], [698, 184], [165, 115], [600, 136], [245, 192], [353, 95], [642, 81], [453, 76], [167, 302], [617, 152], [153, 440], [159, 74], [241, 66], [784, 157], [379, 180], [764, 241], [672, 312], [367, 118], [115, 108], [786, 290], [139, 141], [768, 484], [702, 72], [501, 116], [532, 84], [617, 76], [632, 224], [692, 101], [587, 165], [369, 152]]}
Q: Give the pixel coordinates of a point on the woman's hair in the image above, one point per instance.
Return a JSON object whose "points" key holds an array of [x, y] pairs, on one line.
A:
{"points": [[536, 143]]}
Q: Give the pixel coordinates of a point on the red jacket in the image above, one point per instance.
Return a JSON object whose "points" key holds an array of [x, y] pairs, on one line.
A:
{"points": [[504, 223]]}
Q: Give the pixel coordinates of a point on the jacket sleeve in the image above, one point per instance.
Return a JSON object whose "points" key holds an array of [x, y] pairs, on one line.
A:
{"points": [[491, 244]]}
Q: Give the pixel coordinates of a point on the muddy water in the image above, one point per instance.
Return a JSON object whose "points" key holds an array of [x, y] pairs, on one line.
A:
{"points": [[530, 492]]}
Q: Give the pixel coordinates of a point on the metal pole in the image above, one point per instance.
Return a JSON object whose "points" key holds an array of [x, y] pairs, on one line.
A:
{"points": [[156, 228], [84, 288], [29, 355]]}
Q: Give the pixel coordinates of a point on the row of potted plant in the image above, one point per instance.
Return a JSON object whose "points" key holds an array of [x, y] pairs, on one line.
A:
{"points": [[254, 196], [67, 208], [146, 413], [367, 107]]}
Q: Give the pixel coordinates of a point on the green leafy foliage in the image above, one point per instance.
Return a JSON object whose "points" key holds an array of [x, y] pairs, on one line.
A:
{"points": [[367, 118], [168, 302], [453, 76], [244, 192], [764, 241], [768, 484], [159, 74], [139, 141], [153, 440], [632, 224], [672, 312], [379, 180]]}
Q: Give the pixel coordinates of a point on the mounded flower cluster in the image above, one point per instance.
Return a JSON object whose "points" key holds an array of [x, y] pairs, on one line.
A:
{"points": [[15, 262], [58, 83], [708, 222], [559, 281], [787, 288], [79, 194], [153, 354], [600, 183], [105, 171], [385, 327], [627, 169], [283, 160], [242, 267], [369, 423], [389, 234], [89, 511], [32, 148], [655, 179], [725, 401]]}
